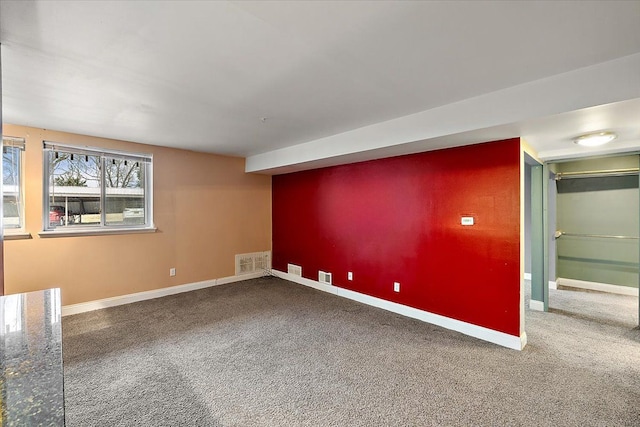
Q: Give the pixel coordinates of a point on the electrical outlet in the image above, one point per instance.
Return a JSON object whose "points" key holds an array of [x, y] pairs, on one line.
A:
{"points": [[396, 287], [172, 272], [350, 275]]}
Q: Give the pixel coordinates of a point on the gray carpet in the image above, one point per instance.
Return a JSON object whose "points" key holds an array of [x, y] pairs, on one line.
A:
{"points": [[267, 352]]}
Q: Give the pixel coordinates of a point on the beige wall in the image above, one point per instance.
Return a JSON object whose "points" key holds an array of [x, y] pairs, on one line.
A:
{"points": [[206, 209]]}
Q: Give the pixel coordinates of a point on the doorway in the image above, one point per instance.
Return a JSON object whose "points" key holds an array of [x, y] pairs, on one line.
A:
{"points": [[596, 235]]}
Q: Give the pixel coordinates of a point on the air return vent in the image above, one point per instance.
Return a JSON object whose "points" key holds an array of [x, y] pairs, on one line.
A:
{"points": [[296, 270], [262, 261], [244, 264], [254, 262], [324, 277]]}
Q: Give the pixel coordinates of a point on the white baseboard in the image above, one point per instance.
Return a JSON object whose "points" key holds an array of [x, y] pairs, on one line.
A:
{"points": [[307, 282], [83, 307], [552, 284], [536, 305], [595, 286], [496, 337], [239, 278]]}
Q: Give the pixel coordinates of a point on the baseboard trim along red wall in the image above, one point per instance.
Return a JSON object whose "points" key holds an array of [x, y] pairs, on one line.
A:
{"points": [[400, 220], [485, 334]]}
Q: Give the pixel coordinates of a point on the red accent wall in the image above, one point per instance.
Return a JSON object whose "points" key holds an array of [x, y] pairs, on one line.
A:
{"points": [[398, 220]]}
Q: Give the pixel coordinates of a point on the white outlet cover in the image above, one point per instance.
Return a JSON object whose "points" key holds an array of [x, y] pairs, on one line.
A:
{"points": [[172, 272], [350, 275], [466, 220], [396, 287]]}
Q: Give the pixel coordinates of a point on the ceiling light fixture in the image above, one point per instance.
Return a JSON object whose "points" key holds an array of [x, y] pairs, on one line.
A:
{"points": [[595, 139]]}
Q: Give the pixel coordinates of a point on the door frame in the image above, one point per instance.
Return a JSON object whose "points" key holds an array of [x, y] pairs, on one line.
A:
{"points": [[539, 232]]}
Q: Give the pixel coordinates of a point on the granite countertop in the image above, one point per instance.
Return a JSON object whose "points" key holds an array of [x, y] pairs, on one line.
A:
{"points": [[31, 380]]}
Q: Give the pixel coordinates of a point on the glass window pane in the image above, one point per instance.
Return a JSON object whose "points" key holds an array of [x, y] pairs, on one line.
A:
{"points": [[74, 189], [124, 192], [12, 208], [95, 188]]}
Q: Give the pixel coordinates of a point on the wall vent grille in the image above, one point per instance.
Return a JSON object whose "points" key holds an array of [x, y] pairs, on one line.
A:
{"points": [[324, 277], [253, 262], [296, 270]]}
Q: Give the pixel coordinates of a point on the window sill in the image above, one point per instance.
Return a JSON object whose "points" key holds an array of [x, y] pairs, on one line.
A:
{"points": [[20, 235], [98, 232]]}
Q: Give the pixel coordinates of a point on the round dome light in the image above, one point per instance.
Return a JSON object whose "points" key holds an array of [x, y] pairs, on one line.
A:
{"points": [[595, 139]]}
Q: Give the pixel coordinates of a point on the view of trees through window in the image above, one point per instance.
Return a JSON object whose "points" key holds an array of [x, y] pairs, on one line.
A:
{"points": [[11, 190], [90, 189]]}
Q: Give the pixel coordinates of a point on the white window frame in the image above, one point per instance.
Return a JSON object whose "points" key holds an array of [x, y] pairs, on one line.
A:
{"points": [[16, 232], [103, 227]]}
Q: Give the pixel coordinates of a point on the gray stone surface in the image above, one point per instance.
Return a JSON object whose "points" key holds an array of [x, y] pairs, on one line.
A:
{"points": [[31, 375]]}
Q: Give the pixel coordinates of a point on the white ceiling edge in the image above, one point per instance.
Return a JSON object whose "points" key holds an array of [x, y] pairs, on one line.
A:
{"points": [[496, 115]]}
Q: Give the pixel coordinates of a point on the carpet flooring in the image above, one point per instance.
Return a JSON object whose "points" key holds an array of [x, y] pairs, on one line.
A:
{"points": [[267, 352]]}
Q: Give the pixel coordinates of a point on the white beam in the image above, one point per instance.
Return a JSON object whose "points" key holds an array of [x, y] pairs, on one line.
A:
{"points": [[496, 114]]}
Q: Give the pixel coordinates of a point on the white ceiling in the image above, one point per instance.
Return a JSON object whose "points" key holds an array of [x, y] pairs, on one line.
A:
{"points": [[336, 81]]}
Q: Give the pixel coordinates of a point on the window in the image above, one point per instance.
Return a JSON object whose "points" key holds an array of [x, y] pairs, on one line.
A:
{"points": [[12, 192], [91, 189]]}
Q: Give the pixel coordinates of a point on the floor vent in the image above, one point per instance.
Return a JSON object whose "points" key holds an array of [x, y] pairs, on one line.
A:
{"points": [[253, 263], [296, 270], [324, 277]]}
